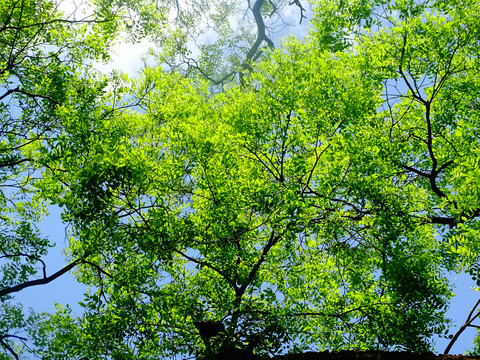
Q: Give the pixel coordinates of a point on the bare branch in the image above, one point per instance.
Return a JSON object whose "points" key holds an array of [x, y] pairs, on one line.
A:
{"points": [[7, 345], [468, 323], [47, 279]]}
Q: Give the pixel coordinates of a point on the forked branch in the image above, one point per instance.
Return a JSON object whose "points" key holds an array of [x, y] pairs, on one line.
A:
{"points": [[468, 323]]}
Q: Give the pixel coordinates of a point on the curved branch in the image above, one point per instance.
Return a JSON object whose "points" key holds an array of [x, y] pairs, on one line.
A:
{"points": [[302, 9], [261, 36], [43, 281], [29, 256], [8, 92], [468, 323], [261, 33], [47, 279], [11, 163], [8, 347]]}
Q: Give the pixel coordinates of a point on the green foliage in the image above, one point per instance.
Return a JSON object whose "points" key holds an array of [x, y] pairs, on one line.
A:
{"points": [[476, 347], [305, 209], [318, 205], [44, 69]]}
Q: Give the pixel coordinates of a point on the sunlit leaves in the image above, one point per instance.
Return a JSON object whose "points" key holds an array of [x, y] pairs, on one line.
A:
{"points": [[318, 205], [45, 61]]}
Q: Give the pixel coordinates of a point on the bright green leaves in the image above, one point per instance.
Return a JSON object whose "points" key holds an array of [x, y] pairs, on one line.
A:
{"points": [[270, 208], [46, 87], [255, 208], [307, 208], [338, 23]]}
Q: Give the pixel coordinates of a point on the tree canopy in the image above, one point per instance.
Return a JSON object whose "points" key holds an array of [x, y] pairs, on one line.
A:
{"points": [[318, 201]]}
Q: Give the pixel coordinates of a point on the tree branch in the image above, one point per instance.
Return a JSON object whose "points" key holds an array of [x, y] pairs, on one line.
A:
{"points": [[47, 279], [271, 242], [302, 9], [8, 347], [468, 323]]}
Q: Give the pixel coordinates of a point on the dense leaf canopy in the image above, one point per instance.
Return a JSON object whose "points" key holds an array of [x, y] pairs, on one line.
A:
{"points": [[319, 203]]}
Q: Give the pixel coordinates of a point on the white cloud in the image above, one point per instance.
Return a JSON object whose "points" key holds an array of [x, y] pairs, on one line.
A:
{"points": [[126, 57]]}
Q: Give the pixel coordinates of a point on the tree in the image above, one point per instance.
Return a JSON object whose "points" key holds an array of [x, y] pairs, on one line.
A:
{"points": [[318, 205], [47, 85], [44, 68], [220, 40], [33, 79]]}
